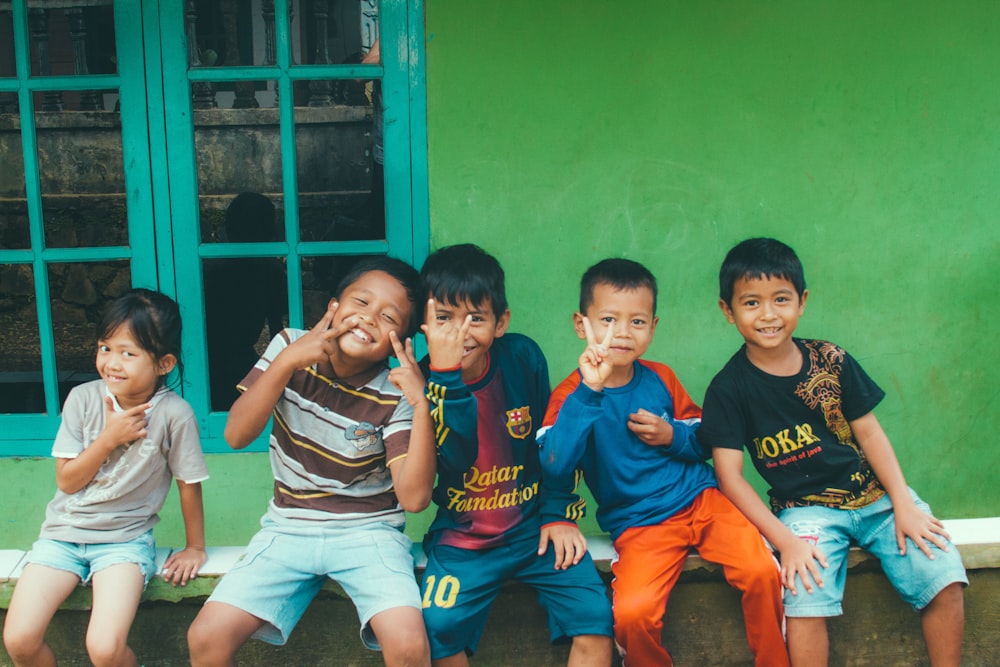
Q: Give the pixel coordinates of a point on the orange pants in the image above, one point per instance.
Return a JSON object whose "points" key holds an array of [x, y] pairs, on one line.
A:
{"points": [[650, 559]]}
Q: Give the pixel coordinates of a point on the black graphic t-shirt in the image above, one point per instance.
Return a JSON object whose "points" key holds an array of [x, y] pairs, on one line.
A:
{"points": [[796, 428]]}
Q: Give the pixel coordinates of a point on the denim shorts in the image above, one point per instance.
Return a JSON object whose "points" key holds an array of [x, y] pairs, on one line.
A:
{"points": [[460, 585], [84, 560], [916, 578], [283, 569]]}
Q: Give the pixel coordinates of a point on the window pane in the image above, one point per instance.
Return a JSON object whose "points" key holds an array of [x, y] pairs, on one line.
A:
{"points": [[14, 232], [340, 181], [246, 304], [320, 278], [73, 38], [81, 176], [237, 151], [80, 292], [335, 32], [21, 370]]}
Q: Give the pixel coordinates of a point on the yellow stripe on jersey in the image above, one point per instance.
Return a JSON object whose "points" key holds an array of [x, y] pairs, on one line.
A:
{"points": [[353, 392]]}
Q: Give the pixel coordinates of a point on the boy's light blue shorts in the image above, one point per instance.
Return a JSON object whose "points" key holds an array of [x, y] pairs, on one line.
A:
{"points": [[84, 560], [917, 578], [283, 569]]}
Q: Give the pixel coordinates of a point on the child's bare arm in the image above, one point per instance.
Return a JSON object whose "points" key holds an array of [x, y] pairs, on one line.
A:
{"points": [[413, 475], [250, 412], [798, 557], [911, 521], [184, 565], [120, 428]]}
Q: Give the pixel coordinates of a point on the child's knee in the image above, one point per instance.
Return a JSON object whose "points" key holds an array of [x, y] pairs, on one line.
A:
{"points": [[106, 648], [406, 646], [637, 610], [22, 644]]}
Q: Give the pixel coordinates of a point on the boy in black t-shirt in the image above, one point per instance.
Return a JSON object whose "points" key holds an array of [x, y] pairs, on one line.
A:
{"points": [[803, 409]]}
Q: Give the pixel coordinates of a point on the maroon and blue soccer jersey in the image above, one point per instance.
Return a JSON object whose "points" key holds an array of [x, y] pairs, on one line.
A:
{"points": [[490, 487]]}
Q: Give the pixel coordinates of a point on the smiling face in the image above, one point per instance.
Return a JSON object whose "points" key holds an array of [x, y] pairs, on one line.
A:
{"points": [[486, 327], [379, 304], [629, 313], [766, 311], [130, 372]]}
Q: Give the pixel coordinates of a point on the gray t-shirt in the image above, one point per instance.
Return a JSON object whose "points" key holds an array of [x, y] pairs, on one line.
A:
{"points": [[123, 499]]}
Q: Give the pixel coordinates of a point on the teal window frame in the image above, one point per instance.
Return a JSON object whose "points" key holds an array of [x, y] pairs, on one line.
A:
{"points": [[165, 249]]}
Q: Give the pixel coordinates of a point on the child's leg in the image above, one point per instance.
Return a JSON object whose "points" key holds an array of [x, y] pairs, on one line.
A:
{"points": [[650, 559], [218, 632], [943, 624], [39, 592], [808, 641], [726, 537], [931, 585], [400, 633], [117, 590], [590, 651]]}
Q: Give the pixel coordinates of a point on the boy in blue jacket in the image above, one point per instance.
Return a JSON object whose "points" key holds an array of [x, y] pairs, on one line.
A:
{"points": [[630, 426], [499, 518]]}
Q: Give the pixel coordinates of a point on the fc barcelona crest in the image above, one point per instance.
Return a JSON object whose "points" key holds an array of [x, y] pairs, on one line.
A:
{"points": [[519, 422]]}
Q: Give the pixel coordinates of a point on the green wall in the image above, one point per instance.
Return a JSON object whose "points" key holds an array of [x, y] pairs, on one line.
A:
{"points": [[866, 135]]}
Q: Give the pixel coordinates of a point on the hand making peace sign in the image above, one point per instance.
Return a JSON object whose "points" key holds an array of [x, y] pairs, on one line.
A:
{"points": [[317, 345], [595, 368], [407, 376]]}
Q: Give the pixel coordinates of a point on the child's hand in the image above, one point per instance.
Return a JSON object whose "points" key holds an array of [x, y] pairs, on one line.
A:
{"points": [[183, 566], [920, 527], [317, 344], [407, 376], [595, 368], [445, 338], [650, 428], [800, 557], [569, 543], [124, 427]]}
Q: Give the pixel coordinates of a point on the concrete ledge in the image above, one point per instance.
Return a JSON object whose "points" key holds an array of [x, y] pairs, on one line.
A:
{"points": [[703, 622]]}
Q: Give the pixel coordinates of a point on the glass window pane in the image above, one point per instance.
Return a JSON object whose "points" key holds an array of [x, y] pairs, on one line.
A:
{"points": [[14, 231], [21, 388], [80, 292], [320, 278], [238, 151], [82, 176], [335, 32], [7, 66], [340, 181], [246, 304], [72, 37]]}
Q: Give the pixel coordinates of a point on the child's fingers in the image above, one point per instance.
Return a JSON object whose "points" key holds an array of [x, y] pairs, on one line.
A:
{"points": [[466, 326], [398, 348], [608, 335], [430, 313]]}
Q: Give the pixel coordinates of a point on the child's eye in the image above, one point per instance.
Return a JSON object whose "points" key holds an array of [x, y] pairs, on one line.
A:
{"points": [[126, 353], [477, 319], [638, 323], [782, 299], [608, 319], [750, 303], [103, 348], [389, 318], [441, 317]]}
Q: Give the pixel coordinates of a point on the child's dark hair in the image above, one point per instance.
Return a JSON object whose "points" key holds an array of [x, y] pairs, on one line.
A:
{"points": [[154, 320], [398, 269], [465, 272], [759, 258], [621, 274]]}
